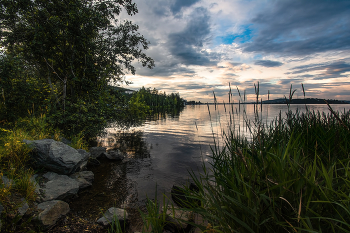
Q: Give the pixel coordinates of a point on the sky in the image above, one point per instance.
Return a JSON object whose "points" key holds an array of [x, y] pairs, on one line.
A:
{"points": [[200, 47]]}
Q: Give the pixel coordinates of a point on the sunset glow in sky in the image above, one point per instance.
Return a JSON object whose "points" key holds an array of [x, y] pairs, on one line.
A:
{"points": [[200, 46]]}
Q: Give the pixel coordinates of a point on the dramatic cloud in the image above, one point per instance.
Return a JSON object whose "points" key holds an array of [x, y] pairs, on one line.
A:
{"points": [[293, 27], [187, 45], [200, 46], [323, 71], [268, 63], [180, 4]]}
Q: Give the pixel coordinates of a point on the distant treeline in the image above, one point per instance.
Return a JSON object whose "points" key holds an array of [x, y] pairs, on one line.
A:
{"points": [[193, 102], [156, 99], [285, 101], [305, 101]]}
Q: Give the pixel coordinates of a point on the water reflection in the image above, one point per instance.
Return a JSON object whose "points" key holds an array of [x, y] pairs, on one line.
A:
{"points": [[166, 146], [129, 142]]}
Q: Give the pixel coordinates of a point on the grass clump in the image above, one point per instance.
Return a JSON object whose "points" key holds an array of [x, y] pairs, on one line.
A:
{"points": [[293, 176], [154, 219]]}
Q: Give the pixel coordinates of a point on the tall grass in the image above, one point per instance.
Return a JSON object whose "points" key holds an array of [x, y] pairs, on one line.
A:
{"points": [[293, 176]]}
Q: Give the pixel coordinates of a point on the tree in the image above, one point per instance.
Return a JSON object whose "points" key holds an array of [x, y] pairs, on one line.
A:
{"points": [[19, 89], [77, 46]]}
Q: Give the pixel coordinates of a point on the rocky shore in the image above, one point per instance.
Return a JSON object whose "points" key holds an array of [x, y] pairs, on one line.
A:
{"points": [[64, 175]]}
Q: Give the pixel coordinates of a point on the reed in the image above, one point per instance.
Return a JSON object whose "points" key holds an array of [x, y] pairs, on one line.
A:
{"points": [[292, 176]]}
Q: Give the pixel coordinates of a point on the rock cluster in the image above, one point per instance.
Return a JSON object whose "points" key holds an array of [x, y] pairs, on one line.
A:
{"points": [[65, 177]]}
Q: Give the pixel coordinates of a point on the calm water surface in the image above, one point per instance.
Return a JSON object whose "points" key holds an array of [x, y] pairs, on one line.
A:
{"points": [[162, 151]]}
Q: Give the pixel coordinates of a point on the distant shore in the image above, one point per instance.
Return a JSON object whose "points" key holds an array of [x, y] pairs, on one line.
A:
{"points": [[283, 101]]}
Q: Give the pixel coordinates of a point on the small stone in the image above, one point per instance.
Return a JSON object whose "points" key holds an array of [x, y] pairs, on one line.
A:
{"points": [[52, 211], [108, 217]]}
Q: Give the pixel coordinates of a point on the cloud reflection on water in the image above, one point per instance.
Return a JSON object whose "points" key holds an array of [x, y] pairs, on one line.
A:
{"points": [[163, 151]]}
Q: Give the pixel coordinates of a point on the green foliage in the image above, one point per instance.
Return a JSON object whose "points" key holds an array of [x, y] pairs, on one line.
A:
{"points": [[78, 142], [72, 50], [137, 108], [20, 89], [157, 100]]}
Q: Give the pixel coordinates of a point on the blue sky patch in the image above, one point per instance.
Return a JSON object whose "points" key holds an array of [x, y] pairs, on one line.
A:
{"points": [[237, 38]]}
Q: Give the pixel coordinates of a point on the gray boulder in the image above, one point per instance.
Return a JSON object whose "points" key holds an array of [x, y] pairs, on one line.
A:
{"points": [[51, 211], [111, 214], [59, 187], [84, 178], [114, 155], [97, 151], [57, 156]]}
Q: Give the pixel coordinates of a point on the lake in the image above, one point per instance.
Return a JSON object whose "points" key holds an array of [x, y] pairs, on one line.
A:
{"points": [[164, 149]]}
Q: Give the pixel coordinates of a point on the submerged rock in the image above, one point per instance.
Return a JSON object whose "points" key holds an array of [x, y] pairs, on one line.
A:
{"points": [[114, 155], [96, 152]]}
